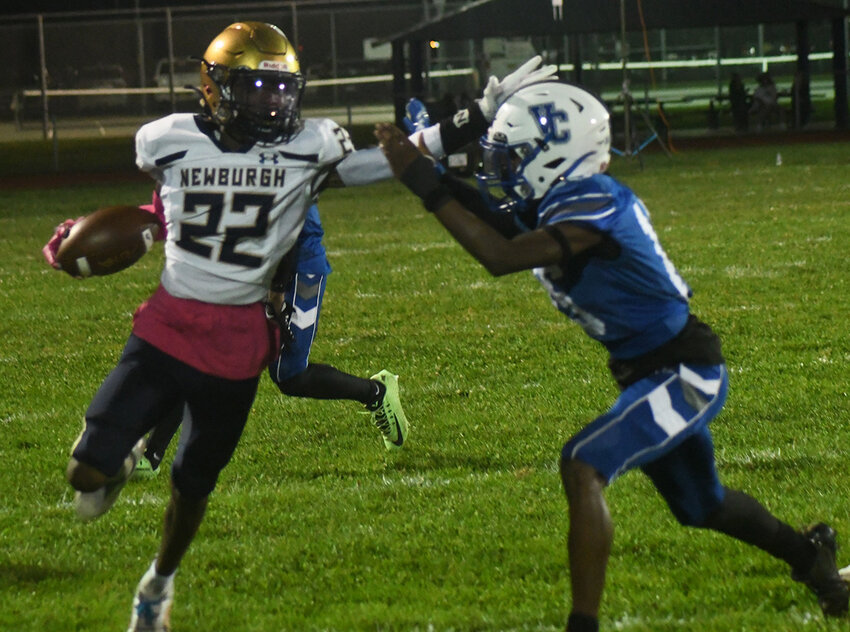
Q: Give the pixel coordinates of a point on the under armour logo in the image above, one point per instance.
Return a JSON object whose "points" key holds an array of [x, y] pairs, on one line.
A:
{"points": [[268, 156]]}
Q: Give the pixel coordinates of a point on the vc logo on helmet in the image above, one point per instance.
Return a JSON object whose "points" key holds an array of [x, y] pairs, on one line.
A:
{"points": [[552, 122]]}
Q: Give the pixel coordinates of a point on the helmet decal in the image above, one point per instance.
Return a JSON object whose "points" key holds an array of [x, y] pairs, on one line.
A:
{"points": [[550, 120], [280, 66]]}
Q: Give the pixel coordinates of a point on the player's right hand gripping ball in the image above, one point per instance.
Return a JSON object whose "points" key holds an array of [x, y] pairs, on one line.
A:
{"points": [[106, 241]]}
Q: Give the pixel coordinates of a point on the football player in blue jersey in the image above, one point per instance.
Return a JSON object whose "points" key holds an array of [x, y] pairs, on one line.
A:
{"points": [[549, 207], [234, 186]]}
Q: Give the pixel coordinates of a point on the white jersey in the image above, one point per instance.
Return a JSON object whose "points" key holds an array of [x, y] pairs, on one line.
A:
{"points": [[231, 216]]}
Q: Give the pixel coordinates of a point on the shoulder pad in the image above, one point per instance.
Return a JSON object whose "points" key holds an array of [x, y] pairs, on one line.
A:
{"points": [[330, 140], [158, 140], [587, 199]]}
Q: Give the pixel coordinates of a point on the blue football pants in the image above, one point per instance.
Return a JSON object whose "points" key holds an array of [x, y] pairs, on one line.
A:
{"points": [[305, 294], [660, 424]]}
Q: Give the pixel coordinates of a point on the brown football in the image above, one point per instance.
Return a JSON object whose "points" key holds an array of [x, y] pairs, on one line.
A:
{"points": [[108, 240]]}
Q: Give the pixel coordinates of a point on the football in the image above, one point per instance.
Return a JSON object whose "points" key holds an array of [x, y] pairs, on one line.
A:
{"points": [[106, 241]]}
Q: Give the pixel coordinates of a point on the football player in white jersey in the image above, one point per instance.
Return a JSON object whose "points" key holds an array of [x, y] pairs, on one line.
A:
{"points": [[234, 186], [295, 302], [590, 242]]}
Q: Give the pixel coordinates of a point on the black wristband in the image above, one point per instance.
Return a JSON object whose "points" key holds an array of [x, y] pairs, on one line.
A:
{"points": [[420, 176], [422, 179], [463, 128], [435, 200]]}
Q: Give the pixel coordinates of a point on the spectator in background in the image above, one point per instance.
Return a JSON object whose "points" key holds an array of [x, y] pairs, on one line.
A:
{"points": [[739, 103], [765, 103]]}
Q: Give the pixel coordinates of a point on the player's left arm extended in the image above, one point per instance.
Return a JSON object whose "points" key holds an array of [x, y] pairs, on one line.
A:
{"points": [[366, 166], [499, 253]]}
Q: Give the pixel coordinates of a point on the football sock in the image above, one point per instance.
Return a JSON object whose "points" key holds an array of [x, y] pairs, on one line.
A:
{"points": [[322, 381], [744, 518], [376, 395], [154, 583], [582, 623]]}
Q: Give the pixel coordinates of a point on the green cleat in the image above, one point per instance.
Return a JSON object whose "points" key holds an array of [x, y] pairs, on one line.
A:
{"points": [[144, 469], [387, 414]]}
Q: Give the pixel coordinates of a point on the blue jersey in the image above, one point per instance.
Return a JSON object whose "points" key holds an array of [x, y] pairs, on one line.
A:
{"points": [[630, 298]]}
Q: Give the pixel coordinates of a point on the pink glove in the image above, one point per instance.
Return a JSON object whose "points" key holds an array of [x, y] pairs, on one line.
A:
{"points": [[50, 248]]}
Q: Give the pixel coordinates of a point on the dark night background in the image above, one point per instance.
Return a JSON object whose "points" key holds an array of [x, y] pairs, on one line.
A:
{"points": [[9, 7]]}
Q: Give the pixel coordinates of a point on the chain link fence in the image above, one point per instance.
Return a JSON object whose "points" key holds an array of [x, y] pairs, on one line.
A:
{"points": [[137, 63], [112, 67]]}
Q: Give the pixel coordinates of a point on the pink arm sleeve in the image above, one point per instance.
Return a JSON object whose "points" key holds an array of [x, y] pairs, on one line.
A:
{"points": [[157, 209]]}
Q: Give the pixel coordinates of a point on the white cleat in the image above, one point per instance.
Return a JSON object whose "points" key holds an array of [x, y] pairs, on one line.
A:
{"points": [[151, 609], [91, 505]]}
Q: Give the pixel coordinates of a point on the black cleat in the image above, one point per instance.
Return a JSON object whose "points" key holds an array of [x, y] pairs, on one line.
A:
{"points": [[822, 578]]}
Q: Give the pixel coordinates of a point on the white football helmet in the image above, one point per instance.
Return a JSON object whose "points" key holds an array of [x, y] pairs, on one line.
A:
{"points": [[543, 133]]}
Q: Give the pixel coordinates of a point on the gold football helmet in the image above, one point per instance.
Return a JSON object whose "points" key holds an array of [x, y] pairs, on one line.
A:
{"points": [[251, 83]]}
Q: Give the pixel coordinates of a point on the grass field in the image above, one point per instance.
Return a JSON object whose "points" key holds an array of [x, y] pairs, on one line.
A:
{"points": [[315, 527]]}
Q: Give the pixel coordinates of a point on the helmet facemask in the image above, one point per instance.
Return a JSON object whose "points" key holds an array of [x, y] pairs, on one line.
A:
{"points": [[262, 106], [500, 179], [501, 176]]}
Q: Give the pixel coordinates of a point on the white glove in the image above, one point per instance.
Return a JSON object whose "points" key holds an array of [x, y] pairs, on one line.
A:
{"points": [[497, 92]]}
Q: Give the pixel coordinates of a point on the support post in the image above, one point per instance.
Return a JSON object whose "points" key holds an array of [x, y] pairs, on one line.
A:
{"points": [[45, 112], [627, 96], [839, 69], [575, 58], [417, 69], [295, 38], [169, 27], [399, 82], [801, 93]]}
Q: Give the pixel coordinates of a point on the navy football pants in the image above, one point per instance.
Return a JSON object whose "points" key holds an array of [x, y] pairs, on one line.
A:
{"points": [[144, 386]]}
